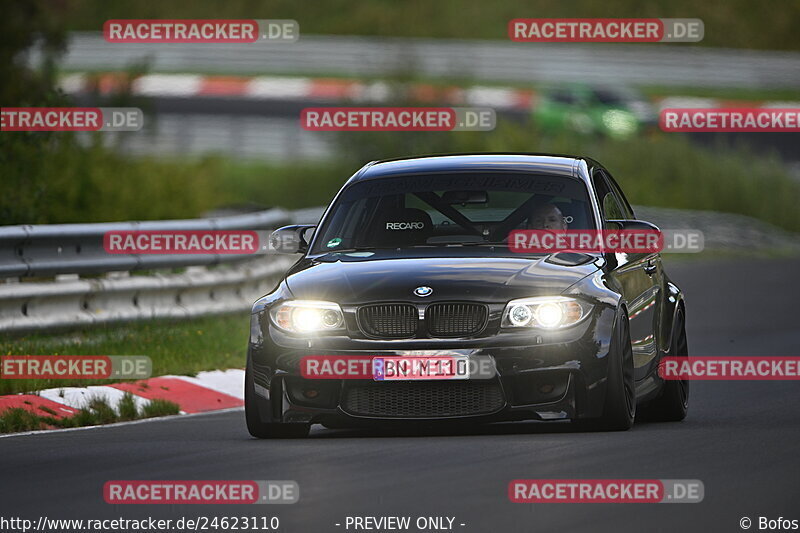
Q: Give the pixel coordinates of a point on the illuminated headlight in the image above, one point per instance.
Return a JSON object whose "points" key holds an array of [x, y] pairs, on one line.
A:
{"points": [[548, 312], [307, 316]]}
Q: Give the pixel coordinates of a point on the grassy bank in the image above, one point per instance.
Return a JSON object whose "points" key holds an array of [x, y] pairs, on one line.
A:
{"points": [[175, 347], [61, 182], [97, 412]]}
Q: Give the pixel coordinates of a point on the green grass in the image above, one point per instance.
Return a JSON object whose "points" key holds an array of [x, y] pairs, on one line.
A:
{"points": [[291, 186], [48, 180], [96, 412], [668, 171], [174, 347], [159, 407], [732, 23], [664, 170], [18, 419], [127, 408], [54, 181]]}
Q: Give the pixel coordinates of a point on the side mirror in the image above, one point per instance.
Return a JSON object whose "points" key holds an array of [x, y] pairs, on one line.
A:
{"points": [[290, 239]]}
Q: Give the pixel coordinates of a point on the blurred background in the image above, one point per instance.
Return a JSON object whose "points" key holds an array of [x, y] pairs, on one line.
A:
{"points": [[222, 135], [222, 131]]}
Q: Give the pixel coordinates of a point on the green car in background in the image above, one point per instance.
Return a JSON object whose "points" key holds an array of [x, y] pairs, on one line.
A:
{"points": [[615, 112]]}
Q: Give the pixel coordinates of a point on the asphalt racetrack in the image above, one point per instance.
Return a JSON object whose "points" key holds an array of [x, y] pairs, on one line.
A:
{"points": [[740, 439]]}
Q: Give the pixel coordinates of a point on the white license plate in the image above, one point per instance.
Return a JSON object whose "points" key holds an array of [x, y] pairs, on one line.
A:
{"points": [[419, 368]]}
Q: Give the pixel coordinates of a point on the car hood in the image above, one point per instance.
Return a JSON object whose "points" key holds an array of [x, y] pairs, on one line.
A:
{"points": [[349, 280]]}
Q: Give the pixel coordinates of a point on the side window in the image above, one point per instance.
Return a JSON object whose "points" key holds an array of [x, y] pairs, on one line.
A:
{"points": [[610, 207], [623, 202], [345, 224]]}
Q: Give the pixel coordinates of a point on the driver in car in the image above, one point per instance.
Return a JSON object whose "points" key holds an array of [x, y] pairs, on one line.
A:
{"points": [[547, 217]]}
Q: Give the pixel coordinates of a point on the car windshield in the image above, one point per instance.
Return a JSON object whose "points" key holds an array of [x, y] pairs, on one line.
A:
{"points": [[460, 209]]}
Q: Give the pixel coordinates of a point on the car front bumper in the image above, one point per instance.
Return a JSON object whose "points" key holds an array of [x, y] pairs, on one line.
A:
{"points": [[555, 377]]}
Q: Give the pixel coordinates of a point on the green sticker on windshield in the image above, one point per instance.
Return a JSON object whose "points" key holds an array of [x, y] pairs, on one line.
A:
{"points": [[333, 243]]}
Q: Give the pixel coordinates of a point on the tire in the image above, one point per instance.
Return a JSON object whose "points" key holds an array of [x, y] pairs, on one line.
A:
{"points": [[266, 430], [619, 408], [673, 402]]}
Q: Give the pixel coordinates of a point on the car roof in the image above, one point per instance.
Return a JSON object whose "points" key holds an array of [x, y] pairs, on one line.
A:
{"points": [[562, 165]]}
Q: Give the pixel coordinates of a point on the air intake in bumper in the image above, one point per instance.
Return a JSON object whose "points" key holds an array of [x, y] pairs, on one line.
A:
{"points": [[423, 399]]}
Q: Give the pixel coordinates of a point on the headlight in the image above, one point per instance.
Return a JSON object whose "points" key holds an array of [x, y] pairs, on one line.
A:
{"points": [[547, 312], [307, 316]]}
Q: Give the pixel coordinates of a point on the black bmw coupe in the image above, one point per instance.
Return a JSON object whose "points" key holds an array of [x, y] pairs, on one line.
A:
{"points": [[412, 260]]}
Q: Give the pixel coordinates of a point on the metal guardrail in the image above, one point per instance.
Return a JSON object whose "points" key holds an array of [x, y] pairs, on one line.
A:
{"points": [[47, 250], [649, 64], [83, 302], [210, 284]]}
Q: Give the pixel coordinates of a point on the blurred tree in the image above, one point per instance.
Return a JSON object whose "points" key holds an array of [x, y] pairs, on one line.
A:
{"points": [[23, 24], [28, 30]]}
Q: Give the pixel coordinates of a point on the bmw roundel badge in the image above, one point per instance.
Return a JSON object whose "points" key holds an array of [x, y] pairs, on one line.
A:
{"points": [[423, 291]]}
